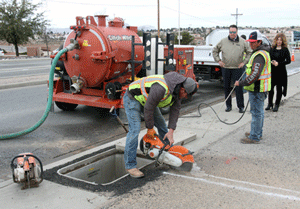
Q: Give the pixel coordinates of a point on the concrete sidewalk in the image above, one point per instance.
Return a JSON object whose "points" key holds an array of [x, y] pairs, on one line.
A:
{"points": [[208, 138]]}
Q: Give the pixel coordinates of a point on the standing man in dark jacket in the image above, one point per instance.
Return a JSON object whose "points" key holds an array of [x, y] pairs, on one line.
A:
{"points": [[233, 49], [153, 92], [257, 83]]}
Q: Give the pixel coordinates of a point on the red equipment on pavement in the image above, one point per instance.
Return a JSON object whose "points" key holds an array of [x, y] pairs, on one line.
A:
{"points": [[176, 156], [27, 169]]}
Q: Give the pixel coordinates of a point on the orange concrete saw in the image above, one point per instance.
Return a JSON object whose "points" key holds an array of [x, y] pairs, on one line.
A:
{"points": [[177, 157], [27, 169]]}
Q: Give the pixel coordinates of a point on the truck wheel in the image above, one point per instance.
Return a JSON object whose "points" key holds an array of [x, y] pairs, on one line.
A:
{"points": [[66, 106]]}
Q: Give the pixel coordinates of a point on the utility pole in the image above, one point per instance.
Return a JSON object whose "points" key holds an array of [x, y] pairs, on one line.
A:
{"points": [[236, 16], [179, 22], [158, 26]]}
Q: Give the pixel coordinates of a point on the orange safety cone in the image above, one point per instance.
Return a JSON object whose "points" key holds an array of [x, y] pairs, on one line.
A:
{"points": [[293, 56]]}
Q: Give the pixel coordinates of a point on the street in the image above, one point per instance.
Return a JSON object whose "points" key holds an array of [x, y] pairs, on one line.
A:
{"points": [[24, 67]]}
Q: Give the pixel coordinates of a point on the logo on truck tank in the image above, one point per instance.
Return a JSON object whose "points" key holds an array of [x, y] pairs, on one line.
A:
{"points": [[119, 38], [85, 43]]}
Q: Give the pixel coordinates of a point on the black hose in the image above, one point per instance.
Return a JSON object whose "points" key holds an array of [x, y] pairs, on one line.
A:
{"points": [[200, 115], [215, 111]]}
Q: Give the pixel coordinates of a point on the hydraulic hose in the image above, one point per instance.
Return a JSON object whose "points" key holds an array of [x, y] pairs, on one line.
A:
{"points": [[49, 104]]}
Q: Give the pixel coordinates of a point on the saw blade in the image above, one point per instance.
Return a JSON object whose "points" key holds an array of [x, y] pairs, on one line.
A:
{"points": [[187, 166]]}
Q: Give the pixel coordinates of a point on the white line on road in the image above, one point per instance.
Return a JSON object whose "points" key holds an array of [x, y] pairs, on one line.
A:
{"points": [[25, 69], [253, 184], [290, 197]]}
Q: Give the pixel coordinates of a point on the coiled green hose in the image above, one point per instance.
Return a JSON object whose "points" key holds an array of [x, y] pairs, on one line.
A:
{"points": [[43, 118]]}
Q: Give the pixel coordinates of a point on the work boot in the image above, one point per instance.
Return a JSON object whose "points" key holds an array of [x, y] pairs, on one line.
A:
{"points": [[249, 141], [135, 173], [247, 134]]}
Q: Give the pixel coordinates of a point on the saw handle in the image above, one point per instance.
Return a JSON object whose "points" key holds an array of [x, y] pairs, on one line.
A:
{"points": [[159, 154], [151, 133]]}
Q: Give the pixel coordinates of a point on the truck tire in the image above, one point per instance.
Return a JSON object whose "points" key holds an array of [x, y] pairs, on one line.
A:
{"points": [[66, 106]]}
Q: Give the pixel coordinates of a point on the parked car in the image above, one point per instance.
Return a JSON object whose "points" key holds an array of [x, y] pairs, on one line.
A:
{"points": [[1, 53]]}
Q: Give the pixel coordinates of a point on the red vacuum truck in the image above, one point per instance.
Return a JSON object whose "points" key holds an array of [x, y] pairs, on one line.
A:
{"points": [[106, 59]]}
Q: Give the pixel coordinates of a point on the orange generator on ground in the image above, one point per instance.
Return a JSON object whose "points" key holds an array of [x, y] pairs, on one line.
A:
{"points": [[104, 62]]}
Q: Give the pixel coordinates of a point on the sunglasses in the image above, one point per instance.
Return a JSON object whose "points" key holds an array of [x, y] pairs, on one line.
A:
{"points": [[234, 32]]}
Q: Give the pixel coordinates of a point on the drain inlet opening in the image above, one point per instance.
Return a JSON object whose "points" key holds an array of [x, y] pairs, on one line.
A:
{"points": [[104, 168]]}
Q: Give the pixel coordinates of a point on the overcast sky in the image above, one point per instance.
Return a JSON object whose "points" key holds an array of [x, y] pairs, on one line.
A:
{"points": [[193, 13]]}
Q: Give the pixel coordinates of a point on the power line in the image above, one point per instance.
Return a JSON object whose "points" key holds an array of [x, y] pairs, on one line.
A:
{"points": [[97, 4], [190, 15]]}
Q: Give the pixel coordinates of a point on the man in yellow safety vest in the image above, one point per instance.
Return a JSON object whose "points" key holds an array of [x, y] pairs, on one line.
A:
{"points": [[153, 92], [257, 83]]}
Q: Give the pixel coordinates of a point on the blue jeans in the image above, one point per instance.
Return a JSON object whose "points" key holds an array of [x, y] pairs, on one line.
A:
{"points": [[257, 111], [133, 111]]}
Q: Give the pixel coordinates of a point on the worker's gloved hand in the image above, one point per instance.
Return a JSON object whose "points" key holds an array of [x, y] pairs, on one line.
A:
{"points": [[150, 133]]}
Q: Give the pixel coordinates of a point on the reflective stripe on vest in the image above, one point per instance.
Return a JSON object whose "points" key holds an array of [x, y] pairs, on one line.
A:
{"points": [[265, 76], [146, 83]]}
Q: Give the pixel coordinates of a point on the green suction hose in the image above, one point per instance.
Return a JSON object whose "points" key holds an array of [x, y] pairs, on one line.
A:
{"points": [[42, 120]]}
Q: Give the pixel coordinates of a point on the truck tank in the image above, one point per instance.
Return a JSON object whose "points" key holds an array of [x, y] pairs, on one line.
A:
{"points": [[103, 52], [96, 72]]}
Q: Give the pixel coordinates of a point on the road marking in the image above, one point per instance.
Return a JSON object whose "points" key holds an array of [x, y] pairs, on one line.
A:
{"points": [[253, 184], [290, 197], [10, 70], [26, 75]]}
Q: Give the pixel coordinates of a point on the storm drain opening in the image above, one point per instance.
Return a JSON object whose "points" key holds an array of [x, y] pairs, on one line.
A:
{"points": [[104, 168]]}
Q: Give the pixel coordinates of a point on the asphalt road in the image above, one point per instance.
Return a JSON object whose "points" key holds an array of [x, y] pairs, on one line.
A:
{"points": [[24, 67]]}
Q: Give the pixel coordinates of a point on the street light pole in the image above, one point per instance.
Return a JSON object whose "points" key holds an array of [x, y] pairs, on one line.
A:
{"points": [[158, 25]]}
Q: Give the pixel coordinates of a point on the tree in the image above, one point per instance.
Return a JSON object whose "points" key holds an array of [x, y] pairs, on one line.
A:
{"points": [[187, 38], [19, 22], [140, 33]]}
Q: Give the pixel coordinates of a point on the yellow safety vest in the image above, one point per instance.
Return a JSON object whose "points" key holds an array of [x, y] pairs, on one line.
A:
{"points": [[140, 90], [263, 84]]}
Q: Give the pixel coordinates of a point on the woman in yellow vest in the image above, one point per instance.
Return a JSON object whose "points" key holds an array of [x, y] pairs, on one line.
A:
{"points": [[257, 83], [153, 92]]}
